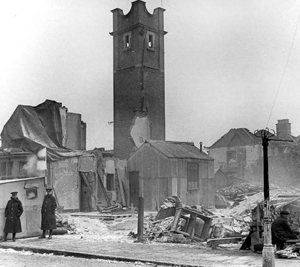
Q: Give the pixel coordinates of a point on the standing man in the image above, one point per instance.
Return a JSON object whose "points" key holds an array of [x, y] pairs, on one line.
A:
{"points": [[281, 231], [13, 211], [48, 213]]}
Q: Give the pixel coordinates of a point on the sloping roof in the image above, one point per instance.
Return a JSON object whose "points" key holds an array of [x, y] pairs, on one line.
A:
{"points": [[172, 149], [244, 134]]}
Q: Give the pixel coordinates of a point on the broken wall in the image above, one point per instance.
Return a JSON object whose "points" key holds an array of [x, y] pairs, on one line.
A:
{"points": [[65, 179], [140, 130], [76, 132], [89, 182], [221, 159]]}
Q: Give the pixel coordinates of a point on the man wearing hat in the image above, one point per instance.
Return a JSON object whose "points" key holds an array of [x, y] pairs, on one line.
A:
{"points": [[281, 231], [13, 211], [48, 213]]}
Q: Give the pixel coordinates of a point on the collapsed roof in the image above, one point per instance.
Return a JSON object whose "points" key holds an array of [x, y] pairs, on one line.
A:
{"points": [[33, 128]]}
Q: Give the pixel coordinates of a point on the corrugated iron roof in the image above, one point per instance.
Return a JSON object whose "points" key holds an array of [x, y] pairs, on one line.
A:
{"points": [[172, 149]]}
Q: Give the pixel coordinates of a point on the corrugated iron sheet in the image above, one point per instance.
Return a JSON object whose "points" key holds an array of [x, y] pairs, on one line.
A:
{"points": [[178, 149]]}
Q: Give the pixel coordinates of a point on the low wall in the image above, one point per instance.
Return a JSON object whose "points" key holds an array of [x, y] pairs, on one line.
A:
{"points": [[31, 193]]}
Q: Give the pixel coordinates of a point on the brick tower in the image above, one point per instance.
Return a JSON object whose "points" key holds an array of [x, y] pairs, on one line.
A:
{"points": [[139, 79]]}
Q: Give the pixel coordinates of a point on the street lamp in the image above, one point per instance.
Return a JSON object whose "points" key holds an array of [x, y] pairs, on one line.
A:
{"points": [[268, 250]]}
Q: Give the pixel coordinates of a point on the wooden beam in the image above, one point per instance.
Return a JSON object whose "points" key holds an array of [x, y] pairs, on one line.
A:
{"points": [[104, 190]]}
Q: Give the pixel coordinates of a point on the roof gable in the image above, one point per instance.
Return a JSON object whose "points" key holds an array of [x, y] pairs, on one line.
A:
{"points": [[236, 137]]}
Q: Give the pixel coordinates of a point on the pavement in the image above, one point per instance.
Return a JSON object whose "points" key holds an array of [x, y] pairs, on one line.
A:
{"points": [[169, 254]]}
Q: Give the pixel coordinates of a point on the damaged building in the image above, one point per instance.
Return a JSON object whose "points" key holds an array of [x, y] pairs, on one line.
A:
{"points": [[139, 118], [48, 141], [139, 77], [86, 180], [239, 157]]}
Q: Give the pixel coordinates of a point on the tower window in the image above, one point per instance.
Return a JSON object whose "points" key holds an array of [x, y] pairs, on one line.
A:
{"points": [[127, 40], [150, 37]]}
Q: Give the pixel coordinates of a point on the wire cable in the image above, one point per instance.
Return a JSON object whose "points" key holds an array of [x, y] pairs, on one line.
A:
{"points": [[285, 68]]}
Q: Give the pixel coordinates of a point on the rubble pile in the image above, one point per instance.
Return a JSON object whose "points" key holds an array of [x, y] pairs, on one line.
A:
{"points": [[290, 252], [168, 208], [80, 226], [246, 196], [159, 231], [237, 193], [242, 189], [223, 227], [237, 219]]}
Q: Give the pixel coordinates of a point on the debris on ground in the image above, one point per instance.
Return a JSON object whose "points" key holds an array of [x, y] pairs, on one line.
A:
{"points": [[91, 228], [239, 191], [231, 222], [76, 225], [177, 222], [113, 208], [290, 252], [238, 218], [168, 208]]}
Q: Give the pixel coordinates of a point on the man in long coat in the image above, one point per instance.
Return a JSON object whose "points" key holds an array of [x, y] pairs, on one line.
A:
{"points": [[13, 212], [48, 213], [281, 231]]}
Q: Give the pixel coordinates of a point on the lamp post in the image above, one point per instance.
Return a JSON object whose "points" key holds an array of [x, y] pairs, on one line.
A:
{"points": [[268, 250]]}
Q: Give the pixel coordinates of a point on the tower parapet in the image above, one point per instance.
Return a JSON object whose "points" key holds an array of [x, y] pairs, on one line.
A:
{"points": [[139, 90]]}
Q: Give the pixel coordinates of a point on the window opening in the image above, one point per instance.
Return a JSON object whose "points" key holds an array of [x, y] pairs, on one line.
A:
{"points": [[127, 40], [231, 156], [150, 41], [193, 175]]}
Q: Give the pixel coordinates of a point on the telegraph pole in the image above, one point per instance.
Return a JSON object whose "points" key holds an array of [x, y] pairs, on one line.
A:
{"points": [[268, 250]]}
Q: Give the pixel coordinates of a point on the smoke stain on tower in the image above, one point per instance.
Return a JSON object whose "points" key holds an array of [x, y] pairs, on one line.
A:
{"points": [[139, 78]]}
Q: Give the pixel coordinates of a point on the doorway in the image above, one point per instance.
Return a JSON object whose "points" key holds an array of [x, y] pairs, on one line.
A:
{"points": [[133, 188]]}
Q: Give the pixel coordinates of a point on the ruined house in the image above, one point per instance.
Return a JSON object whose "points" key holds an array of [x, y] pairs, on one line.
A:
{"points": [[160, 169], [47, 141], [234, 153], [238, 156]]}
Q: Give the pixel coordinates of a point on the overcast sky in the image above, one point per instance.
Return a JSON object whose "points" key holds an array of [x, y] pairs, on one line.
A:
{"points": [[225, 63]]}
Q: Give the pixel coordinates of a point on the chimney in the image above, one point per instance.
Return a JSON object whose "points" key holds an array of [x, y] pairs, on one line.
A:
{"points": [[283, 129], [201, 148]]}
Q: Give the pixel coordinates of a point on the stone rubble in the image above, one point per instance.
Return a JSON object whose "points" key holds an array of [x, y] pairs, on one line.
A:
{"points": [[230, 222]]}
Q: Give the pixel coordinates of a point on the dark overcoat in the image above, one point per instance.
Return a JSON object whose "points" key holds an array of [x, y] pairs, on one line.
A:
{"points": [[48, 213], [281, 231], [13, 211]]}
